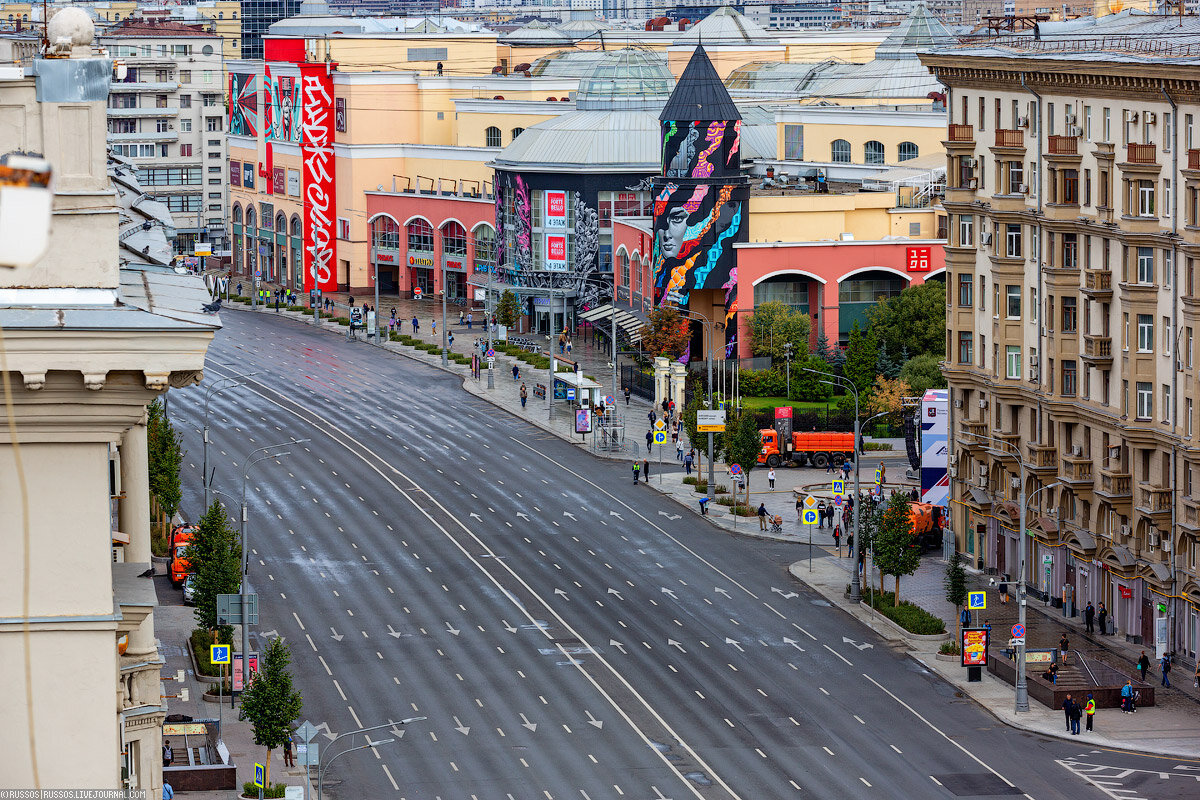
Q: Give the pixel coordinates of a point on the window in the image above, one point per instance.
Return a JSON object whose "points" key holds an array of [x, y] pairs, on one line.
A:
{"points": [[1145, 333], [1087, 123], [164, 150], [169, 176], [1145, 265], [123, 126], [420, 235], [492, 136], [208, 76], [427, 53], [1187, 410], [162, 75], [966, 354], [1187, 347], [385, 232], [181, 50], [185, 150], [185, 125], [180, 203], [1069, 378], [1070, 315], [965, 287], [1012, 296], [517, 132], [841, 151], [212, 124], [454, 239], [1144, 197], [1145, 400], [1168, 130], [1016, 177], [1070, 186], [185, 101], [1012, 360], [966, 230], [1167, 335], [1012, 241], [873, 152], [185, 76], [1108, 124], [624, 259], [793, 142], [217, 171], [908, 151], [485, 246], [343, 228], [1166, 212]]}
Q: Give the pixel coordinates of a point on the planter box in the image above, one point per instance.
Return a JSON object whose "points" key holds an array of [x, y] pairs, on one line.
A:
{"points": [[900, 633]]}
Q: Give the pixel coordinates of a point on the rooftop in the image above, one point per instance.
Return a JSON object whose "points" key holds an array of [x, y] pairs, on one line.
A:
{"points": [[157, 28], [700, 93], [727, 27]]}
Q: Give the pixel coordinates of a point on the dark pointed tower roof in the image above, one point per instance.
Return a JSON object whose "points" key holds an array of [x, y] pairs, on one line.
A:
{"points": [[700, 94]]}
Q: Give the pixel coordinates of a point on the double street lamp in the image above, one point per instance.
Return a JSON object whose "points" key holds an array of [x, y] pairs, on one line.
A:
{"points": [[321, 769], [218, 386]]}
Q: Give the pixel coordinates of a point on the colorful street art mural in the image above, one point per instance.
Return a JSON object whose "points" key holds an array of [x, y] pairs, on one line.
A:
{"points": [[281, 107], [243, 104]]}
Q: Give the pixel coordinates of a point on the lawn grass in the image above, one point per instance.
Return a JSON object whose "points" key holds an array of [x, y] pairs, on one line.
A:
{"points": [[799, 405]]}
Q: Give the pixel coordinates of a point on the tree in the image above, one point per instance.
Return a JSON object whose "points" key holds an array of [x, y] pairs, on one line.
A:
{"points": [[915, 319], [887, 395], [743, 443], [215, 557], [896, 551], [774, 324], [955, 582], [887, 366], [689, 423], [862, 359], [823, 350], [508, 311], [164, 455], [270, 702], [667, 335], [923, 372], [807, 386]]}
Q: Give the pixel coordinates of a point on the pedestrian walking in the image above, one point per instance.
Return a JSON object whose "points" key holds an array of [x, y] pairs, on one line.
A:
{"points": [[837, 539], [652, 417], [626, 395], [649, 438], [1090, 710], [678, 449], [771, 478], [288, 758], [762, 516], [666, 404], [450, 341], [882, 473], [1063, 645], [1102, 618], [1076, 715], [568, 347], [562, 343], [416, 326], [799, 508], [1127, 706], [461, 318], [433, 326], [846, 470], [470, 320], [687, 464], [829, 466], [636, 469], [1196, 680], [849, 541], [239, 289], [704, 505], [524, 395], [1068, 706], [168, 755], [516, 371], [646, 470], [821, 515], [1165, 666], [1143, 665], [1089, 618]]}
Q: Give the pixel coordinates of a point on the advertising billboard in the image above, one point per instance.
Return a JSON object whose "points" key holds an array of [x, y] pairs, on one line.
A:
{"points": [[935, 448], [974, 647], [316, 153], [556, 209], [556, 251]]}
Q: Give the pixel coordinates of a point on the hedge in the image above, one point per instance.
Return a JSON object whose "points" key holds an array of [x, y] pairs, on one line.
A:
{"points": [[912, 618]]}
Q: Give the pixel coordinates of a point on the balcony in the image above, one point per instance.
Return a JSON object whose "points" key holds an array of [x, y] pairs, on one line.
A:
{"points": [[126, 113], [962, 133], [971, 432], [1117, 488], [1194, 159], [148, 136], [1141, 154], [1010, 137], [1076, 472], [1097, 350], [1097, 284], [1154, 502], [135, 86], [1062, 145], [1042, 457], [1003, 445]]}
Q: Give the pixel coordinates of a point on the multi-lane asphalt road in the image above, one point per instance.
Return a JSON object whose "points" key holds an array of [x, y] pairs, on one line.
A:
{"points": [[566, 634]]}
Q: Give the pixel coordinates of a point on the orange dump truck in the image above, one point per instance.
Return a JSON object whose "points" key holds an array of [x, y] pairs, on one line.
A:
{"points": [[927, 525], [819, 449]]}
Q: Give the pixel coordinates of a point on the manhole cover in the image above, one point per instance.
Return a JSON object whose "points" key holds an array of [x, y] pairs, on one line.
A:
{"points": [[971, 784]]}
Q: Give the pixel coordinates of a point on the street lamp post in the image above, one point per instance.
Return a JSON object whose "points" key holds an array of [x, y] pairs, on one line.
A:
{"points": [[787, 350], [445, 292], [321, 769], [487, 323], [215, 389], [711, 328]]}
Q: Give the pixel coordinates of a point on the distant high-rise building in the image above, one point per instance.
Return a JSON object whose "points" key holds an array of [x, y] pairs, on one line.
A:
{"points": [[257, 17]]}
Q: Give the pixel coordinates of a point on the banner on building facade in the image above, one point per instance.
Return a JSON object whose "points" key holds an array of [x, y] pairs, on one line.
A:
{"points": [[316, 153]]}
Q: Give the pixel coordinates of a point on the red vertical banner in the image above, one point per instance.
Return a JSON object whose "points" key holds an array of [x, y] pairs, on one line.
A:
{"points": [[316, 151]]}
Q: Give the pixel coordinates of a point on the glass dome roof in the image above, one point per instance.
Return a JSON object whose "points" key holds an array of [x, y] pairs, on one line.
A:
{"points": [[626, 79]]}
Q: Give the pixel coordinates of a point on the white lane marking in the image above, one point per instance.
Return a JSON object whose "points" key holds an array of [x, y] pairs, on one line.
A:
{"points": [[388, 772], [359, 448], [836, 653]]}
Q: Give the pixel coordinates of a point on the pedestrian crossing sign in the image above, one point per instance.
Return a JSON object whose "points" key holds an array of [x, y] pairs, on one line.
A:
{"points": [[839, 488], [259, 775], [809, 516], [878, 476], [219, 654], [977, 601]]}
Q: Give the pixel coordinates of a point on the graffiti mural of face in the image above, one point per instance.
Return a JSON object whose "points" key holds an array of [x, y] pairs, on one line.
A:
{"points": [[672, 234]]}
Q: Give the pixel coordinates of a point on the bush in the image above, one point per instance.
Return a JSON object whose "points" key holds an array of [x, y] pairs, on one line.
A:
{"points": [[913, 619], [950, 648], [690, 480], [762, 382], [701, 485], [275, 790], [877, 445], [306, 311], [721, 489], [726, 501], [343, 321], [744, 511]]}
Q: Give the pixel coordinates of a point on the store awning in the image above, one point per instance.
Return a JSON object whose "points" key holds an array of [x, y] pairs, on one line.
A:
{"points": [[980, 497], [1086, 542], [628, 322], [1160, 570]]}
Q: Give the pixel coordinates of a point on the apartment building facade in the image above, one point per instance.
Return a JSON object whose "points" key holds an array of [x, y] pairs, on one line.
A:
{"points": [[1072, 306], [166, 113]]}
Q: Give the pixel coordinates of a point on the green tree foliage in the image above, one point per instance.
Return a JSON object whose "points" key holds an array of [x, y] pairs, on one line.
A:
{"points": [[895, 551], [270, 702], [955, 582], [742, 444], [508, 311], [862, 359], [667, 335], [164, 453], [689, 423], [914, 320], [885, 364], [215, 557], [923, 372], [774, 324], [807, 386], [824, 351]]}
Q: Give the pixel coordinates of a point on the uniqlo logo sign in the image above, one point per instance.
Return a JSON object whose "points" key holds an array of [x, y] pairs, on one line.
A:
{"points": [[556, 248], [918, 259]]}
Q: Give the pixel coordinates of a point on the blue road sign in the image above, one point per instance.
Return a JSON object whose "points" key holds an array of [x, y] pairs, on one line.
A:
{"points": [[735, 469], [609, 400], [809, 516], [977, 601], [219, 653], [839, 488], [659, 437], [259, 775], [491, 353], [570, 394], [1018, 630]]}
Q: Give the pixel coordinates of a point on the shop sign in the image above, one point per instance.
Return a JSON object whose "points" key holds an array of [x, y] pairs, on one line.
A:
{"points": [[918, 259], [387, 256], [235, 173], [278, 180], [293, 183], [316, 153], [248, 175], [420, 261], [556, 251], [556, 209], [454, 265], [1125, 591]]}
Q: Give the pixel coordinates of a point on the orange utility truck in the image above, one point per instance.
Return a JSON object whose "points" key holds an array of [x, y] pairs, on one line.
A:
{"points": [[819, 449]]}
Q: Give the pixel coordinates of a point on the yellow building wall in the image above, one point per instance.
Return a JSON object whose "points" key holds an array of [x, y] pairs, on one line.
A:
{"points": [[819, 138], [473, 54], [856, 52], [379, 114], [724, 59], [471, 128], [796, 217]]}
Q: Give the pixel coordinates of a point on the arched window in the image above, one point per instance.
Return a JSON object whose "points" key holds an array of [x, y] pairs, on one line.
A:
{"points": [[237, 214], [280, 223], [454, 239], [485, 245], [385, 233], [873, 152], [908, 150], [297, 226], [517, 132], [220, 15], [623, 258], [841, 151], [492, 136], [250, 218], [420, 236]]}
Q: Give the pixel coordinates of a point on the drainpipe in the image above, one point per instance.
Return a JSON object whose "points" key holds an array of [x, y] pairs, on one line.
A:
{"points": [[1175, 358], [1041, 327]]}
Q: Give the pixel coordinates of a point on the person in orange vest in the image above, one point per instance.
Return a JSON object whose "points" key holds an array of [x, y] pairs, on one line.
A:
{"points": [[1090, 710]]}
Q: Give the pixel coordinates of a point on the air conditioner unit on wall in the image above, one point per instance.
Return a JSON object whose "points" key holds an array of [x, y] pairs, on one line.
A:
{"points": [[1125, 531], [1023, 188], [1022, 122], [1166, 544], [1077, 451], [1151, 540], [985, 237], [1074, 130], [1070, 119], [1151, 117], [983, 403]]}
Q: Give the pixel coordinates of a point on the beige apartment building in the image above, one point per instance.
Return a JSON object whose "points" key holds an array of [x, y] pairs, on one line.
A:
{"points": [[1072, 306], [87, 344]]}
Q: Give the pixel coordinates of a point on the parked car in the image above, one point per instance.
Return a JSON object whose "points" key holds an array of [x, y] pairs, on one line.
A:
{"points": [[189, 589]]}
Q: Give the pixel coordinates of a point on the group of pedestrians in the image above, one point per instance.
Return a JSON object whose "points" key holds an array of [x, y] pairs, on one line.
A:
{"points": [[1090, 618], [1073, 711]]}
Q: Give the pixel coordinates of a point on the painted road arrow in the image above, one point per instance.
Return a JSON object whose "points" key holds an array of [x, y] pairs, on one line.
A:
{"points": [[618, 594], [458, 726], [792, 642], [669, 591], [525, 723], [324, 728], [735, 643], [476, 516], [508, 627], [592, 720], [719, 590], [673, 643], [451, 629], [618, 645], [337, 637], [781, 593], [863, 646], [615, 514], [669, 516], [568, 514], [561, 593], [523, 515], [394, 633]]}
